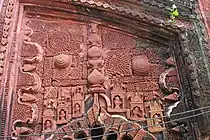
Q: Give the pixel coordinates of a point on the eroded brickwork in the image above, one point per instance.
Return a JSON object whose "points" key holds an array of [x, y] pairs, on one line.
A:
{"points": [[205, 9], [2, 14]]}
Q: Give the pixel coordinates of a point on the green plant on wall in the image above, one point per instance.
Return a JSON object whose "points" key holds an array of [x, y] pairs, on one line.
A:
{"points": [[173, 11]]}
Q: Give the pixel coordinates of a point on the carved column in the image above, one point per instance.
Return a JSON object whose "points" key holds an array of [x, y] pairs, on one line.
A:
{"points": [[95, 64]]}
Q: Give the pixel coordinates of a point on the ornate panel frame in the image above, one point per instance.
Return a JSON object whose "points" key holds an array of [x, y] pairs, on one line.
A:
{"points": [[133, 22]]}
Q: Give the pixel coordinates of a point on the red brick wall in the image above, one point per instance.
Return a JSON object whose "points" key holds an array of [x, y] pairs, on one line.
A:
{"points": [[205, 10]]}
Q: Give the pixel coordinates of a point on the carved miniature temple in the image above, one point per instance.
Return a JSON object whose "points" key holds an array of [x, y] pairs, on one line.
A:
{"points": [[97, 70]]}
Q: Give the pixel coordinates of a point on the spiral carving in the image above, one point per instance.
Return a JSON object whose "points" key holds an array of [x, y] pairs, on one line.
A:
{"points": [[58, 41]]}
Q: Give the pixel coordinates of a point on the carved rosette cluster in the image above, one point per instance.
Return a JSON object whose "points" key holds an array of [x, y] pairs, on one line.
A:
{"points": [[62, 61], [27, 95], [95, 63]]}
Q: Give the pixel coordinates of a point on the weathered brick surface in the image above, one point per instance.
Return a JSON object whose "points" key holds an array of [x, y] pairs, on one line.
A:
{"points": [[204, 6], [2, 14], [205, 10]]}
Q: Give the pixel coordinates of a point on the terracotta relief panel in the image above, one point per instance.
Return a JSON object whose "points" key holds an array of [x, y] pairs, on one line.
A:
{"points": [[64, 63], [49, 54]]}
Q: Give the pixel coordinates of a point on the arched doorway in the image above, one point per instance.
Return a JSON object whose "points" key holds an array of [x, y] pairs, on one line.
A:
{"points": [[126, 137], [67, 139], [112, 135], [97, 132], [80, 135]]}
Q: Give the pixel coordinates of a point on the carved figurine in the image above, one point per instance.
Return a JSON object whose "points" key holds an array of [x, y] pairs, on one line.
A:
{"points": [[62, 116], [50, 104], [23, 130], [137, 113], [157, 120], [78, 94], [48, 126], [156, 112], [64, 105], [77, 110], [117, 102]]}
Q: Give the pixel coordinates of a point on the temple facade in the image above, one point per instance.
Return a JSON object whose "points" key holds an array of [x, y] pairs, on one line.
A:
{"points": [[104, 70]]}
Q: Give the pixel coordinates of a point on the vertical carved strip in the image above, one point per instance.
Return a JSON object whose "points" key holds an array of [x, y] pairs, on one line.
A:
{"points": [[8, 24], [95, 64], [28, 95]]}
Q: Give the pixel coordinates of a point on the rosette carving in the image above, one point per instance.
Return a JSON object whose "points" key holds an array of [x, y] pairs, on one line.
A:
{"points": [[61, 61], [141, 65]]}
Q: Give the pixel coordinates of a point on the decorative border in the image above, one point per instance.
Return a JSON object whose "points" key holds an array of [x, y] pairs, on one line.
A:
{"points": [[8, 23], [6, 30], [185, 6], [127, 11]]}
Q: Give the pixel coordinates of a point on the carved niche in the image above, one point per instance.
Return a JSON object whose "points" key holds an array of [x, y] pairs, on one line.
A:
{"points": [[78, 101], [50, 107], [156, 114], [136, 111], [118, 95], [64, 111]]}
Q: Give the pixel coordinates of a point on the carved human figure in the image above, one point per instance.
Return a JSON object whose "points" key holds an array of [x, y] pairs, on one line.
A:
{"points": [[62, 116], [49, 104], [157, 120], [138, 97], [79, 91], [78, 94], [137, 112], [117, 102], [77, 110], [156, 105], [116, 84], [62, 95], [48, 125]]}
